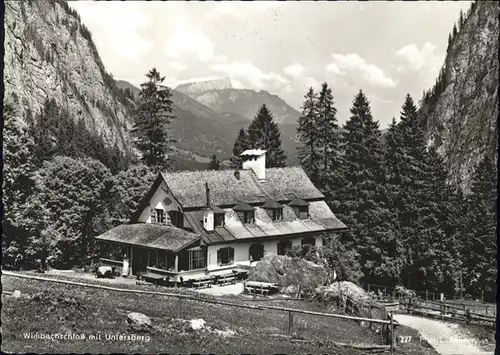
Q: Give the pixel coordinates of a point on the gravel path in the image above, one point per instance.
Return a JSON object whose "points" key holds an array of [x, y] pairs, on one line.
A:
{"points": [[446, 338]]}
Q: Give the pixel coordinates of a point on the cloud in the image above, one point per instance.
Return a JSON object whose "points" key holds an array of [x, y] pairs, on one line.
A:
{"points": [[187, 40], [177, 65], [115, 26], [247, 72], [350, 64], [415, 59], [294, 70]]}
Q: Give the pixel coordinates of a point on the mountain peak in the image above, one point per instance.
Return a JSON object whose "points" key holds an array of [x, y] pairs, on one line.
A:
{"points": [[202, 86]]}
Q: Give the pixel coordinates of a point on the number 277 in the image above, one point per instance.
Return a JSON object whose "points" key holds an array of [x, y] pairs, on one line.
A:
{"points": [[405, 339]]}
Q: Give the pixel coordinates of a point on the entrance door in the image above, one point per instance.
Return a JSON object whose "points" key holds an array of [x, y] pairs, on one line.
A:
{"points": [[139, 260]]}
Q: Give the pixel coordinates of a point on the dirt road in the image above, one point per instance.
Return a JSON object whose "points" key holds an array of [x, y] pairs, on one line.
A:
{"points": [[446, 338]]}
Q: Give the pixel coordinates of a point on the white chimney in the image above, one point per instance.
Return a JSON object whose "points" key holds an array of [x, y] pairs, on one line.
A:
{"points": [[255, 159], [208, 220], [208, 214]]}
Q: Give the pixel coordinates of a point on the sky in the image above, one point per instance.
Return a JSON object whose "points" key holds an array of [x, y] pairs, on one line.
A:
{"points": [[386, 49]]}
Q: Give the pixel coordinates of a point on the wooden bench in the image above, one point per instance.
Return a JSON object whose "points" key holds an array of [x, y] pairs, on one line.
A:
{"points": [[202, 283], [258, 288], [226, 279]]}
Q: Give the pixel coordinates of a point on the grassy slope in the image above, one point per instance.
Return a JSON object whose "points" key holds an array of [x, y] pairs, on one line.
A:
{"points": [[90, 311]]}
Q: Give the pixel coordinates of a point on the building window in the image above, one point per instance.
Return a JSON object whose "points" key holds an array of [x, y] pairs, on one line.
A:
{"points": [[157, 259], [308, 241], [177, 219], [160, 216], [219, 220], [247, 217], [302, 212], [113, 251], [277, 214], [256, 252], [196, 259], [283, 246], [225, 256]]}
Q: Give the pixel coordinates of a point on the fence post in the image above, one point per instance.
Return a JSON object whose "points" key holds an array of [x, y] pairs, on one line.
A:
{"points": [[370, 312], [426, 295], [394, 295], [486, 309], [482, 296], [391, 334], [290, 322], [385, 291]]}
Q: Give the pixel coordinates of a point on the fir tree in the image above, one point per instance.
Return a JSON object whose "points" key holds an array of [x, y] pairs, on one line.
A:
{"points": [[240, 145], [480, 248], [152, 122], [308, 137], [214, 163], [461, 20], [329, 143], [364, 207], [455, 30], [264, 133]]}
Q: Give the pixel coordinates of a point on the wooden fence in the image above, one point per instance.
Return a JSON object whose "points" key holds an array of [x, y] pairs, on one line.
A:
{"points": [[448, 311], [389, 324]]}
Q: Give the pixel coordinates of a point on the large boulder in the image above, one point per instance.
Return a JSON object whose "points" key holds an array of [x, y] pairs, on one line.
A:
{"points": [[332, 292], [289, 273], [139, 321]]}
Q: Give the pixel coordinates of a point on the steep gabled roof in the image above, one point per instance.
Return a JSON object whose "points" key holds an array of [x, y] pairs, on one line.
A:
{"points": [[226, 190], [271, 204]]}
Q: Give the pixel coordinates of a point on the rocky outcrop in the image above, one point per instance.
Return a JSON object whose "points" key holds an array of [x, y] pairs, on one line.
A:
{"points": [[461, 115], [289, 273], [50, 54]]}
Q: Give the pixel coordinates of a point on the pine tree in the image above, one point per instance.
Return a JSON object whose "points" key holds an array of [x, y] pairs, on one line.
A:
{"points": [[413, 211], [308, 137], [240, 145], [152, 122], [264, 133], [480, 248], [214, 163], [329, 143], [364, 207], [461, 20], [455, 30]]}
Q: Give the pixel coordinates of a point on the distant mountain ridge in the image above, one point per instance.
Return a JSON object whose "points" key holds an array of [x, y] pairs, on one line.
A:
{"points": [[221, 97], [203, 86]]}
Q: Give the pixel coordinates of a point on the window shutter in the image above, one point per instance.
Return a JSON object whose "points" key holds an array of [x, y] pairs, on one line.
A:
{"points": [[219, 256], [231, 255], [153, 215]]}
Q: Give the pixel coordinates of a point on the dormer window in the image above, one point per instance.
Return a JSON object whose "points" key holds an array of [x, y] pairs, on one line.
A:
{"points": [[274, 210], [300, 207], [219, 216], [245, 212], [158, 216]]}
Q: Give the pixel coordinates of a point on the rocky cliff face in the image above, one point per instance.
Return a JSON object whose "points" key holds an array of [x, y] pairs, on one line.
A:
{"points": [[460, 113], [50, 54]]}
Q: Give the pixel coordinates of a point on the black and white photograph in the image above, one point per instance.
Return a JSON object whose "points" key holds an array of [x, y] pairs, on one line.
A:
{"points": [[250, 177]]}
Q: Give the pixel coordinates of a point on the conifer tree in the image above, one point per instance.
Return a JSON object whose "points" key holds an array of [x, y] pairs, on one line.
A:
{"points": [[308, 137], [214, 163], [461, 20], [329, 142], [364, 207], [455, 30], [240, 145], [480, 248], [264, 133], [152, 122]]}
